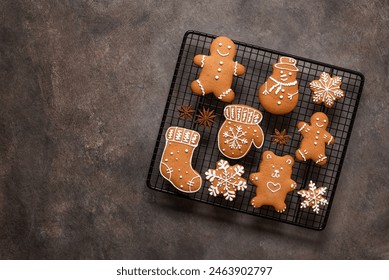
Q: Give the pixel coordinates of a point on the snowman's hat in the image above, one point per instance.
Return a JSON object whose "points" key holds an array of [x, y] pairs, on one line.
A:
{"points": [[286, 63]]}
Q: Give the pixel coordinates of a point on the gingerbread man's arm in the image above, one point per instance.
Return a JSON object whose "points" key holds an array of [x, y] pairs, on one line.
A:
{"points": [[199, 60], [303, 128], [328, 138], [239, 69]]}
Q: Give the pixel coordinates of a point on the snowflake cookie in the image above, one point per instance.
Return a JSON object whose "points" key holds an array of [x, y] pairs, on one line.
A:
{"points": [[326, 90], [226, 180], [313, 197]]}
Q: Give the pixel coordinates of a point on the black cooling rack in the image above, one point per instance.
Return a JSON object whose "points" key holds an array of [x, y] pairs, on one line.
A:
{"points": [[258, 62]]}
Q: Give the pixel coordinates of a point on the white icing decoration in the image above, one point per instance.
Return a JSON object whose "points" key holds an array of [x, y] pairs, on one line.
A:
{"points": [[186, 150], [302, 127], [289, 161], [202, 61], [235, 137], [235, 68], [220, 44], [171, 153], [329, 141], [273, 187], [318, 125], [279, 85], [219, 69], [321, 158], [279, 102], [180, 176], [276, 173], [326, 89], [302, 155], [201, 86], [229, 180], [224, 93], [216, 77], [290, 95], [313, 197], [221, 62], [229, 47], [268, 156], [222, 54]]}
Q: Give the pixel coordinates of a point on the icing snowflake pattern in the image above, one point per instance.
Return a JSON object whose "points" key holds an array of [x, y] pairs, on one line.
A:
{"points": [[313, 197], [226, 180], [326, 89], [235, 137]]}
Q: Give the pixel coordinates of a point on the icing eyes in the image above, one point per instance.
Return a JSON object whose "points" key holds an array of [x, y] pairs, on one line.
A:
{"points": [[220, 44], [272, 166], [290, 73], [317, 119], [281, 168], [229, 47], [325, 121]]}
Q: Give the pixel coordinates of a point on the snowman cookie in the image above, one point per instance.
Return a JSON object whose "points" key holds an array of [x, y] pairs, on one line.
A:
{"points": [[315, 138], [218, 70], [279, 94]]}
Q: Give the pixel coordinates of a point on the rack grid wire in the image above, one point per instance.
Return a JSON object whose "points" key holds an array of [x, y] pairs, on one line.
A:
{"points": [[258, 62]]}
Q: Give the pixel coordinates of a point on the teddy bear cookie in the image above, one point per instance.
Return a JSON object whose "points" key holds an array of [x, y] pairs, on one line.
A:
{"points": [[226, 180], [240, 130], [218, 70], [315, 137], [279, 94], [176, 161], [273, 181], [326, 90]]}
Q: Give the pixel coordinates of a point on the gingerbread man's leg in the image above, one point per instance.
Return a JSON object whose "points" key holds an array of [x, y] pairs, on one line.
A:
{"points": [[320, 159], [226, 95], [199, 88]]}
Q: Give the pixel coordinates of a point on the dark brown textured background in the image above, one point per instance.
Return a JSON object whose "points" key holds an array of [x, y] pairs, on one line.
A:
{"points": [[83, 89]]}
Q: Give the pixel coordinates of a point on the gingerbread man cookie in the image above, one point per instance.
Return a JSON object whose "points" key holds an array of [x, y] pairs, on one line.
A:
{"points": [[315, 137], [176, 161], [240, 130], [273, 181], [279, 94], [218, 70], [226, 180]]}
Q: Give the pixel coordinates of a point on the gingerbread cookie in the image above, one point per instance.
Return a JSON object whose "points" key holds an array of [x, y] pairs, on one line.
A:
{"points": [[240, 130], [226, 180], [326, 90], [313, 197], [218, 70], [273, 181], [315, 137], [176, 161], [279, 94]]}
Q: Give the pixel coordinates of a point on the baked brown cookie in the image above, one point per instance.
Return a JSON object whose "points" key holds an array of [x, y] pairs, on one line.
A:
{"points": [[273, 181], [240, 130], [176, 160], [226, 180], [326, 90], [315, 138], [218, 70], [279, 94], [313, 197]]}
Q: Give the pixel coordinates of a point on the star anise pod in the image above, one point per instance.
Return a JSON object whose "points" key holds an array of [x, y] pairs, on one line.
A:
{"points": [[206, 117], [280, 138], [186, 112]]}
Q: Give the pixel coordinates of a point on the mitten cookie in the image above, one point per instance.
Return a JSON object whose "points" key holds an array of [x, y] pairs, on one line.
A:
{"points": [[315, 138], [273, 181], [176, 161], [279, 94], [239, 130], [218, 70], [226, 180], [326, 90]]}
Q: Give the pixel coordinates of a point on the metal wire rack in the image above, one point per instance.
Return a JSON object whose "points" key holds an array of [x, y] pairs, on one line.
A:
{"points": [[258, 62]]}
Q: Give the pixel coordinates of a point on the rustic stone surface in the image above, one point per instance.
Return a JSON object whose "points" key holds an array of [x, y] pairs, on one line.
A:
{"points": [[83, 88]]}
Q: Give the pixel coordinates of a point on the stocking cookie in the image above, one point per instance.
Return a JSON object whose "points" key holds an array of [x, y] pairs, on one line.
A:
{"points": [[279, 94], [226, 180], [315, 137], [273, 181], [326, 90], [176, 161], [240, 130], [218, 70]]}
